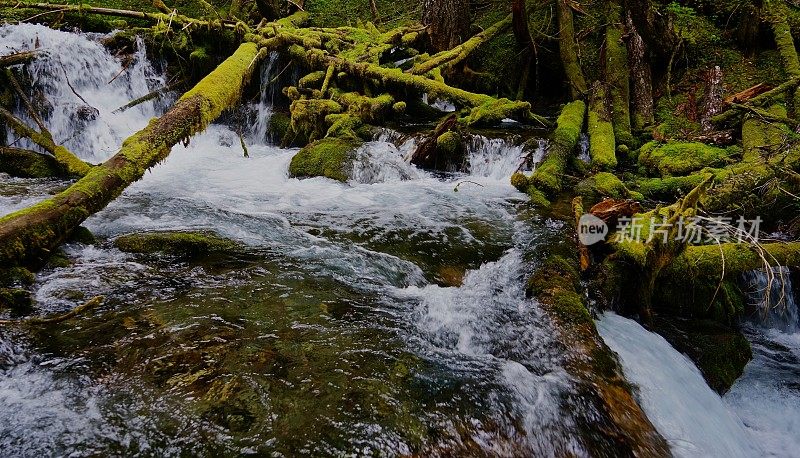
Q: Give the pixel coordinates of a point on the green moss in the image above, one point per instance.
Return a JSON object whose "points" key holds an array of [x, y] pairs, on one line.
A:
{"points": [[16, 276], [618, 77], [602, 146], [312, 81], [608, 185], [17, 300], [519, 181], [185, 244], [679, 158], [330, 157], [669, 188], [28, 164], [548, 176], [449, 143]]}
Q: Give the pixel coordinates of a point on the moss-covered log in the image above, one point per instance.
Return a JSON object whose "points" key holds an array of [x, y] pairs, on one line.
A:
{"points": [[73, 166], [174, 20], [602, 144], [17, 58], [568, 49], [556, 287], [452, 57], [546, 181], [27, 236], [24, 163], [776, 13], [484, 106]]}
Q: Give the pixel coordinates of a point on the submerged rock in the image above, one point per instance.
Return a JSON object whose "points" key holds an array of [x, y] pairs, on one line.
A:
{"points": [[185, 244], [330, 157]]}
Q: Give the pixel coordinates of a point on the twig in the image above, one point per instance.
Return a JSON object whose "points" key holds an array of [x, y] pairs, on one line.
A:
{"points": [[66, 77], [92, 303]]}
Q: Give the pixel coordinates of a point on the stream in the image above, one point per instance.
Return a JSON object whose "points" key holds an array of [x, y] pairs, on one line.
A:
{"points": [[383, 316]]}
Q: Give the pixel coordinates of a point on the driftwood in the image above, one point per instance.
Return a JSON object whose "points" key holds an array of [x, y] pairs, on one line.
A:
{"points": [[747, 94]]}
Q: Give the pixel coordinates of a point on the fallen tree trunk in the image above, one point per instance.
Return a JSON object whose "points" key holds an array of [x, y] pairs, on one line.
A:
{"points": [[73, 165], [452, 57], [484, 107], [174, 19], [24, 163], [761, 99], [29, 235]]}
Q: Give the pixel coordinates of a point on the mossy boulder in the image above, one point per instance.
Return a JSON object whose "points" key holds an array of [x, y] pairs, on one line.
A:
{"points": [[16, 300], [330, 157], [184, 244], [720, 352], [681, 158]]}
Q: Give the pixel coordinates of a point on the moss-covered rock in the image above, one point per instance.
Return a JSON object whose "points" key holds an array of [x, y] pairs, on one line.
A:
{"points": [[720, 352], [15, 299], [330, 157], [184, 244], [681, 158]]}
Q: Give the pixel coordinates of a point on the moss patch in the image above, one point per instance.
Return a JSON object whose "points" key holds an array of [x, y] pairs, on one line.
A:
{"points": [[681, 158], [329, 157], [185, 244]]}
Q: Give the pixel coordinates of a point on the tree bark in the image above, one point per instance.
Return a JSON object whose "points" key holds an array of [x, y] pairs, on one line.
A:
{"points": [[568, 48], [448, 22], [28, 236], [641, 77]]}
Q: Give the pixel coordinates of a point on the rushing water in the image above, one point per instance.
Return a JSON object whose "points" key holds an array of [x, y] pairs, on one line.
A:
{"points": [[381, 316], [386, 315], [759, 416]]}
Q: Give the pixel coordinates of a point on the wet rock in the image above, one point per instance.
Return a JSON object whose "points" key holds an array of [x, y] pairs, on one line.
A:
{"points": [[184, 244], [719, 351]]}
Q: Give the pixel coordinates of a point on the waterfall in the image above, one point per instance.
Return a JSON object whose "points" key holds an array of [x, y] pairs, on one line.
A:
{"points": [[78, 84], [263, 110], [772, 294], [584, 148], [671, 390], [493, 158]]}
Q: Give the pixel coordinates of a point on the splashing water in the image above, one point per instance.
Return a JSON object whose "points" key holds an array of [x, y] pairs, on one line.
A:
{"points": [[70, 61], [262, 111], [773, 298], [690, 415], [767, 396]]}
